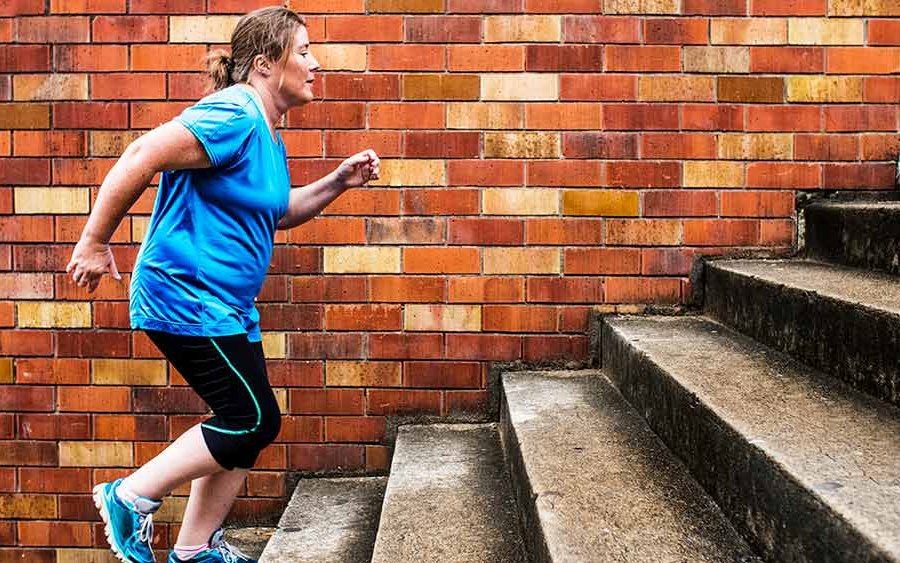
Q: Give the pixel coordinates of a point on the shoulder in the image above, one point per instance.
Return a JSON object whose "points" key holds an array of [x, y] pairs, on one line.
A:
{"points": [[231, 104]]}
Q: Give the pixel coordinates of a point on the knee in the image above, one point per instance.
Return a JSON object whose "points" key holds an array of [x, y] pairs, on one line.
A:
{"points": [[269, 424]]}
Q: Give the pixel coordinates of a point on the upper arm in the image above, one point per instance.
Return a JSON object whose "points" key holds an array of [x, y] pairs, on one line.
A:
{"points": [[170, 146]]}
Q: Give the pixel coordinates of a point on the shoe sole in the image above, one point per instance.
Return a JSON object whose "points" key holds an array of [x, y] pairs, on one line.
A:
{"points": [[100, 503]]}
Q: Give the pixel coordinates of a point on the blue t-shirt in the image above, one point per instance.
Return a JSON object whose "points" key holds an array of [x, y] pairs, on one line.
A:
{"points": [[209, 243]]}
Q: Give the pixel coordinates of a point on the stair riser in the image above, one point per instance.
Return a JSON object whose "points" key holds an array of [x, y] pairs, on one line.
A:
{"points": [[780, 518], [535, 542], [856, 344], [863, 237]]}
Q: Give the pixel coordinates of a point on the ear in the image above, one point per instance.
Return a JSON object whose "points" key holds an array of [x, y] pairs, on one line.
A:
{"points": [[262, 65]]}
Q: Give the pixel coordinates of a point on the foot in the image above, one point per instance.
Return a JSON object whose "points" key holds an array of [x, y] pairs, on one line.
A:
{"points": [[219, 551], [129, 526]]}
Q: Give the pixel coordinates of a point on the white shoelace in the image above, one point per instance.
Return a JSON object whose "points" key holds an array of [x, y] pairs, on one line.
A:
{"points": [[230, 553], [145, 530]]}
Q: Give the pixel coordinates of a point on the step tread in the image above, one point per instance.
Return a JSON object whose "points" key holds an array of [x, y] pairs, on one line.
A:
{"points": [[892, 205], [870, 289], [449, 499], [838, 443], [590, 458], [327, 520]]}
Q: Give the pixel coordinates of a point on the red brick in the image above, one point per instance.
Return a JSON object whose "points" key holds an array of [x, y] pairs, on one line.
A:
{"points": [[87, 6], [22, 7], [433, 260], [21, 453], [367, 28], [563, 116], [484, 231], [167, 7], [86, 172], [284, 373], [49, 143], [354, 428], [94, 399], [784, 118], [467, 403], [715, 7], [443, 29], [406, 346], [266, 484], [25, 228], [47, 371], [778, 232], [442, 144], [712, 117], [643, 232], [302, 143], [757, 204], [563, 58], [366, 201], [321, 345], [485, 6], [41, 258], [680, 203], [667, 261], [442, 375], [642, 290], [787, 59], [329, 230], [485, 173], [863, 60], [280, 316], [32, 172], [385, 402], [563, 6], [406, 115], [130, 427], [130, 29], [601, 29], [602, 261], [22, 398], [90, 115], [785, 175], [564, 231], [486, 58], [574, 319], [760, 89], [327, 401], [826, 147], [54, 533], [300, 429], [363, 317], [128, 86], [407, 289], [788, 8], [860, 118], [676, 31], [441, 202], [328, 289], [25, 58], [519, 318], [600, 145], [329, 115], [188, 86], [96, 344], [171, 400], [6, 31], [597, 87], [884, 32], [642, 59], [637, 117], [880, 147], [483, 347], [168, 57], [564, 173], [26, 342], [720, 232], [325, 457], [565, 290], [644, 174], [346, 143], [882, 89], [544, 348], [865, 176], [31, 555], [53, 29], [287, 260], [678, 145], [407, 57]]}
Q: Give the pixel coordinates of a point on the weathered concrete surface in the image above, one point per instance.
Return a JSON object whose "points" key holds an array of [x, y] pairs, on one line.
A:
{"points": [[448, 499], [862, 233], [841, 320], [596, 483], [328, 521], [249, 539], [807, 468]]}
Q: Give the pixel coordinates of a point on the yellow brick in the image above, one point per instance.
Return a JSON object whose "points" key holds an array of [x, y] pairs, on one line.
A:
{"points": [[713, 174], [27, 506], [139, 225], [524, 86], [676, 88], [281, 397], [521, 145], [824, 89], [95, 454], [50, 87], [641, 7], [340, 373], [643, 232], [6, 370], [340, 57], [522, 29], [201, 29], [450, 318], [607, 203], [756, 146], [825, 31], [406, 6], [52, 200], [411, 173], [69, 555], [717, 59], [521, 261], [171, 511], [362, 259], [484, 115], [128, 372], [54, 315], [111, 143], [274, 345], [748, 31], [520, 201], [864, 8]]}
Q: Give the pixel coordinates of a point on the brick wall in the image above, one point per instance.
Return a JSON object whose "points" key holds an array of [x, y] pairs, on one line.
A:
{"points": [[540, 158]]}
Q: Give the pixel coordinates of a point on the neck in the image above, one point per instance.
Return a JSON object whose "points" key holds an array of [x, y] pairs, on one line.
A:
{"points": [[267, 101]]}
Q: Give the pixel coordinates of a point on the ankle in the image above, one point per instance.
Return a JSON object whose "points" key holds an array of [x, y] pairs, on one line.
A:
{"points": [[188, 552], [140, 503]]}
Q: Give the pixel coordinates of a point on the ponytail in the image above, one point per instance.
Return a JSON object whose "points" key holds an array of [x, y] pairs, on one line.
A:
{"points": [[220, 66]]}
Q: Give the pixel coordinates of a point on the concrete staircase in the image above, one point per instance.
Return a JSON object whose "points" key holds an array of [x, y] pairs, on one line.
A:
{"points": [[766, 427]]}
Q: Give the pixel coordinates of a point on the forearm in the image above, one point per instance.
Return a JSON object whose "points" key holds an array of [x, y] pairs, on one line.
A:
{"points": [[308, 201]]}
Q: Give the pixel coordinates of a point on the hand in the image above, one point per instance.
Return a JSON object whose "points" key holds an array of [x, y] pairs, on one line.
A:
{"points": [[90, 260], [358, 169]]}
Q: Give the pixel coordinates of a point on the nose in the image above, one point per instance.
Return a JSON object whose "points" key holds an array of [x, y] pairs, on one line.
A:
{"points": [[314, 64]]}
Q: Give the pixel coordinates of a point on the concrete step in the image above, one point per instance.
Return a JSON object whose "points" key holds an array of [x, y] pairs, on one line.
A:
{"points": [[841, 320], [328, 520], [806, 467], [595, 484], [865, 234], [448, 499]]}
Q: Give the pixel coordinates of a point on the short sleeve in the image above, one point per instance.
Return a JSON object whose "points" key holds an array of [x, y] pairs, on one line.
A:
{"points": [[221, 127]]}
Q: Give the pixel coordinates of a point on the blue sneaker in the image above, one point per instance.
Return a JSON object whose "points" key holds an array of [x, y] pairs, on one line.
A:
{"points": [[129, 527], [220, 551]]}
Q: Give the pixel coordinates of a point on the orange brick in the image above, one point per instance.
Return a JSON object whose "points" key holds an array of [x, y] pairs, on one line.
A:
{"points": [[406, 115], [53, 371], [602, 261], [36, 533], [53, 29], [22, 7], [366, 201], [721, 232], [91, 399], [346, 143], [784, 118], [625, 117], [81, 172], [788, 8], [486, 58], [884, 32], [778, 232], [354, 429], [826, 147], [642, 290], [363, 317], [487, 289], [441, 202], [643, 232], [757, 204], [441, 87], [483, 347], [25, 58], [406, 6], [863, 60], [750, 89], [564, 290], [860, 118], [519, 318], [364, 28], [167, 57], [486, 231], [749, 31], [564, 173], [644, 174], [406, 57], [787, 59], [882, 89], [442, 375], [485, 173], [880, 147], [676, 31], [601, 29], [678, 145], [329, 230], [406, 346], [49, 143], [859, 176], [130, 427], [601, 145], [643, 59], [443, 29], [130, 29], [148, 115], [127, 86], [564, 231], [433, 260], [563, 58], [676, 88], [597, 87], [355, 87], [407, 289], [563, 116], [168, 7], [87, 6]]}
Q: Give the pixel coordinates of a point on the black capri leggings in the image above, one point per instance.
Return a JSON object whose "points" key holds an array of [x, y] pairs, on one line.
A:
{"points": [[229, 373]]}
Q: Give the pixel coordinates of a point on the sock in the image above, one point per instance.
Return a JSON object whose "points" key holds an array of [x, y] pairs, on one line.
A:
{"points": [[130, 498], [187, 552]]}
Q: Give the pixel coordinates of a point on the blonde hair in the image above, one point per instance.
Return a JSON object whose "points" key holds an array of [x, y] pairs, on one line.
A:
{"points": [[267, 31]]}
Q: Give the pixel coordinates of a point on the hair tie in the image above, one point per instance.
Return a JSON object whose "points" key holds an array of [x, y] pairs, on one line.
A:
{"points": [[229, 63]]}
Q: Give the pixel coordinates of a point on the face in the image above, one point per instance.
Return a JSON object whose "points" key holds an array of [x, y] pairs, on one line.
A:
{"points": [[296, 81]]}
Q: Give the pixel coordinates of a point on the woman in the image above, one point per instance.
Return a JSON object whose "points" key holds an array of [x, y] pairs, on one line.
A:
{"points": [[223, 192]]}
